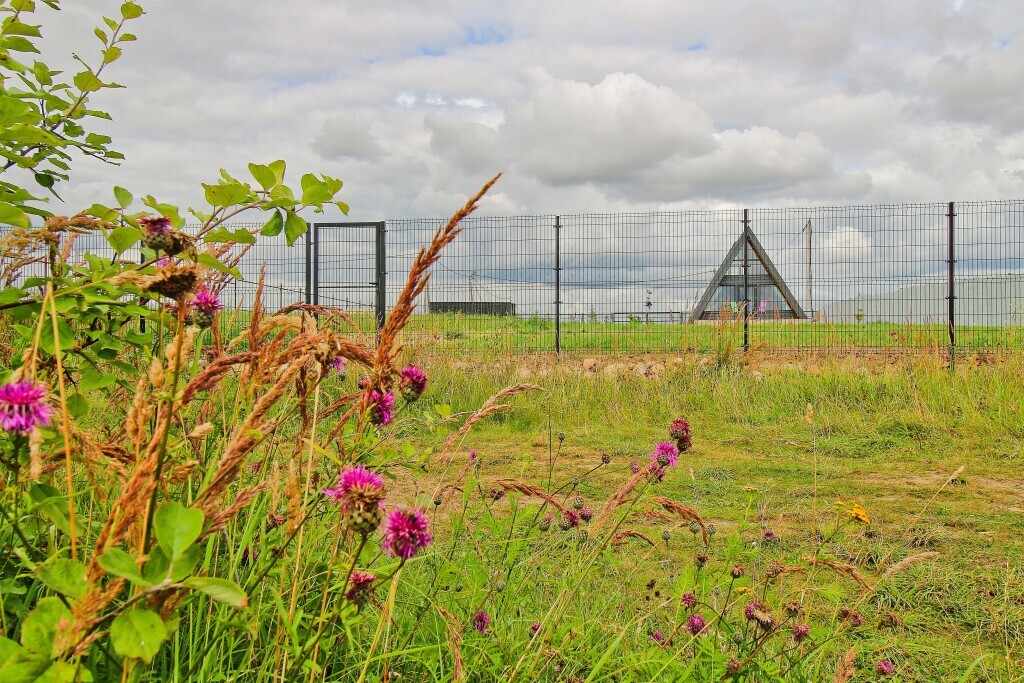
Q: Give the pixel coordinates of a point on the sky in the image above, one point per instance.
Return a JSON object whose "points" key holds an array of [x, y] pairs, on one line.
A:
{"points": [[586, 107]]}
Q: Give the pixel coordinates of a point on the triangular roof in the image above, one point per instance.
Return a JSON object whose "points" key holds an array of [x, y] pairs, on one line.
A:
{"points": [[737, 251]]}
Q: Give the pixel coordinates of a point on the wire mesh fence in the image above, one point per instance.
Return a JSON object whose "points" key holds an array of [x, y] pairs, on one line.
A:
{"points": [[938, 276]]}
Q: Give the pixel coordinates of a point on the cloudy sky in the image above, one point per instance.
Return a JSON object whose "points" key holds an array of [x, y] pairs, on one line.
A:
{"points": [[585, 106]]}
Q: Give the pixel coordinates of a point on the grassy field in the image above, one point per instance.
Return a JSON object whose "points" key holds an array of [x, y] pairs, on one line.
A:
{"points": [[934, 457], [887, 437], [492, 334]]}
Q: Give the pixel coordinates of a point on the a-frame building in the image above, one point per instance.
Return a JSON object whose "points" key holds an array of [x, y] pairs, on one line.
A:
{"points": [[747, 275]]}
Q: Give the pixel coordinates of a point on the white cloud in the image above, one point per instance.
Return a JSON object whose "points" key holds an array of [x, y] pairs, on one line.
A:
{"points": [[587, 106], [346, 135], [568, 132]]}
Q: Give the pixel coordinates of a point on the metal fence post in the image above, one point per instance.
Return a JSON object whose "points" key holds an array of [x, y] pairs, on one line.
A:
{"points": [[558, 284], [382, 273], [315, 268], [951, 294], [746, 293], [308, 293]]}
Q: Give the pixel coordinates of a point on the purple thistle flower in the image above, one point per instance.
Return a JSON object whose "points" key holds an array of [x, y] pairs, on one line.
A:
{"points": [[481, 621], [338, 365], [658, 637], [800, 632], [354, 486], [885, 667], [23, 407], [406, 532], [361, 588], [750, 611], [679, 428], [768, 536], [586, 514], [665, 454], [534, 627], [680, 431], [382, 407], [155, 225], [856, 619], [634, 467], [206, 301], [688, 600], [571, 518], [696, 624], [655, 471], [413, 382]]}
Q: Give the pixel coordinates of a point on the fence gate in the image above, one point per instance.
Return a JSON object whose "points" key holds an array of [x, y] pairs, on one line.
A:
{"points": [[345, 268]]}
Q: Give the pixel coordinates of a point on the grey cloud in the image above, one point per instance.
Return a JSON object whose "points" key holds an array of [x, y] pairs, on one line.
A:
{"points": [[346, 135], [599, 106], [982, 88], [468, 145], [569, 132]]}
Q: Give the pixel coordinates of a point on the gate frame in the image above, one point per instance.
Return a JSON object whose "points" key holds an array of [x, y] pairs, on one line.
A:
{"points": [[380, 266]]}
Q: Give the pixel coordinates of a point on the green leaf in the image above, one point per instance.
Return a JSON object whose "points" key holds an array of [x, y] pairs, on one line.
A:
{"points": [[308, 181], [13, 215], [212, 262], [278, 168], [130, 10], [121, 239], [221, 590], [64, 335], [222, 234], [157, 567], [444, 410], [11, 294], [93, 379], [52, 505], [64, 576], [294, 227], [177, 527], [263, 175], [120, 563], [104, 213], [111, 54], [273, 227], [18, 44], [86, 81], [16, 28], [138, 634], [40, 627], [123, 197], [78, 405], [226, 194]]}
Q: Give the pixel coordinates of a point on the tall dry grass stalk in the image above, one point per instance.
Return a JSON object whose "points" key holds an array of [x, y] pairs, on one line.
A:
{"points": [[624, 535], [529, 490], [618, 499], [688, 514], [419, 275], [490, 406]]}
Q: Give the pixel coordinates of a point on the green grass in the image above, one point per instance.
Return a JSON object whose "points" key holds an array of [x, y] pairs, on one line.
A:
{"points": [[888, 440], [885, 436], [458, 333]]}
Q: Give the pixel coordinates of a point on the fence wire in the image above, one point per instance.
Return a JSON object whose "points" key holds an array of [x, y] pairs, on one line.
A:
{"points": [[879, 277]]}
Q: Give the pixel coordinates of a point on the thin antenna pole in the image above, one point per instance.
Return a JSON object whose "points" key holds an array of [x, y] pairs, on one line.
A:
{"points": [[810, 289]]}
